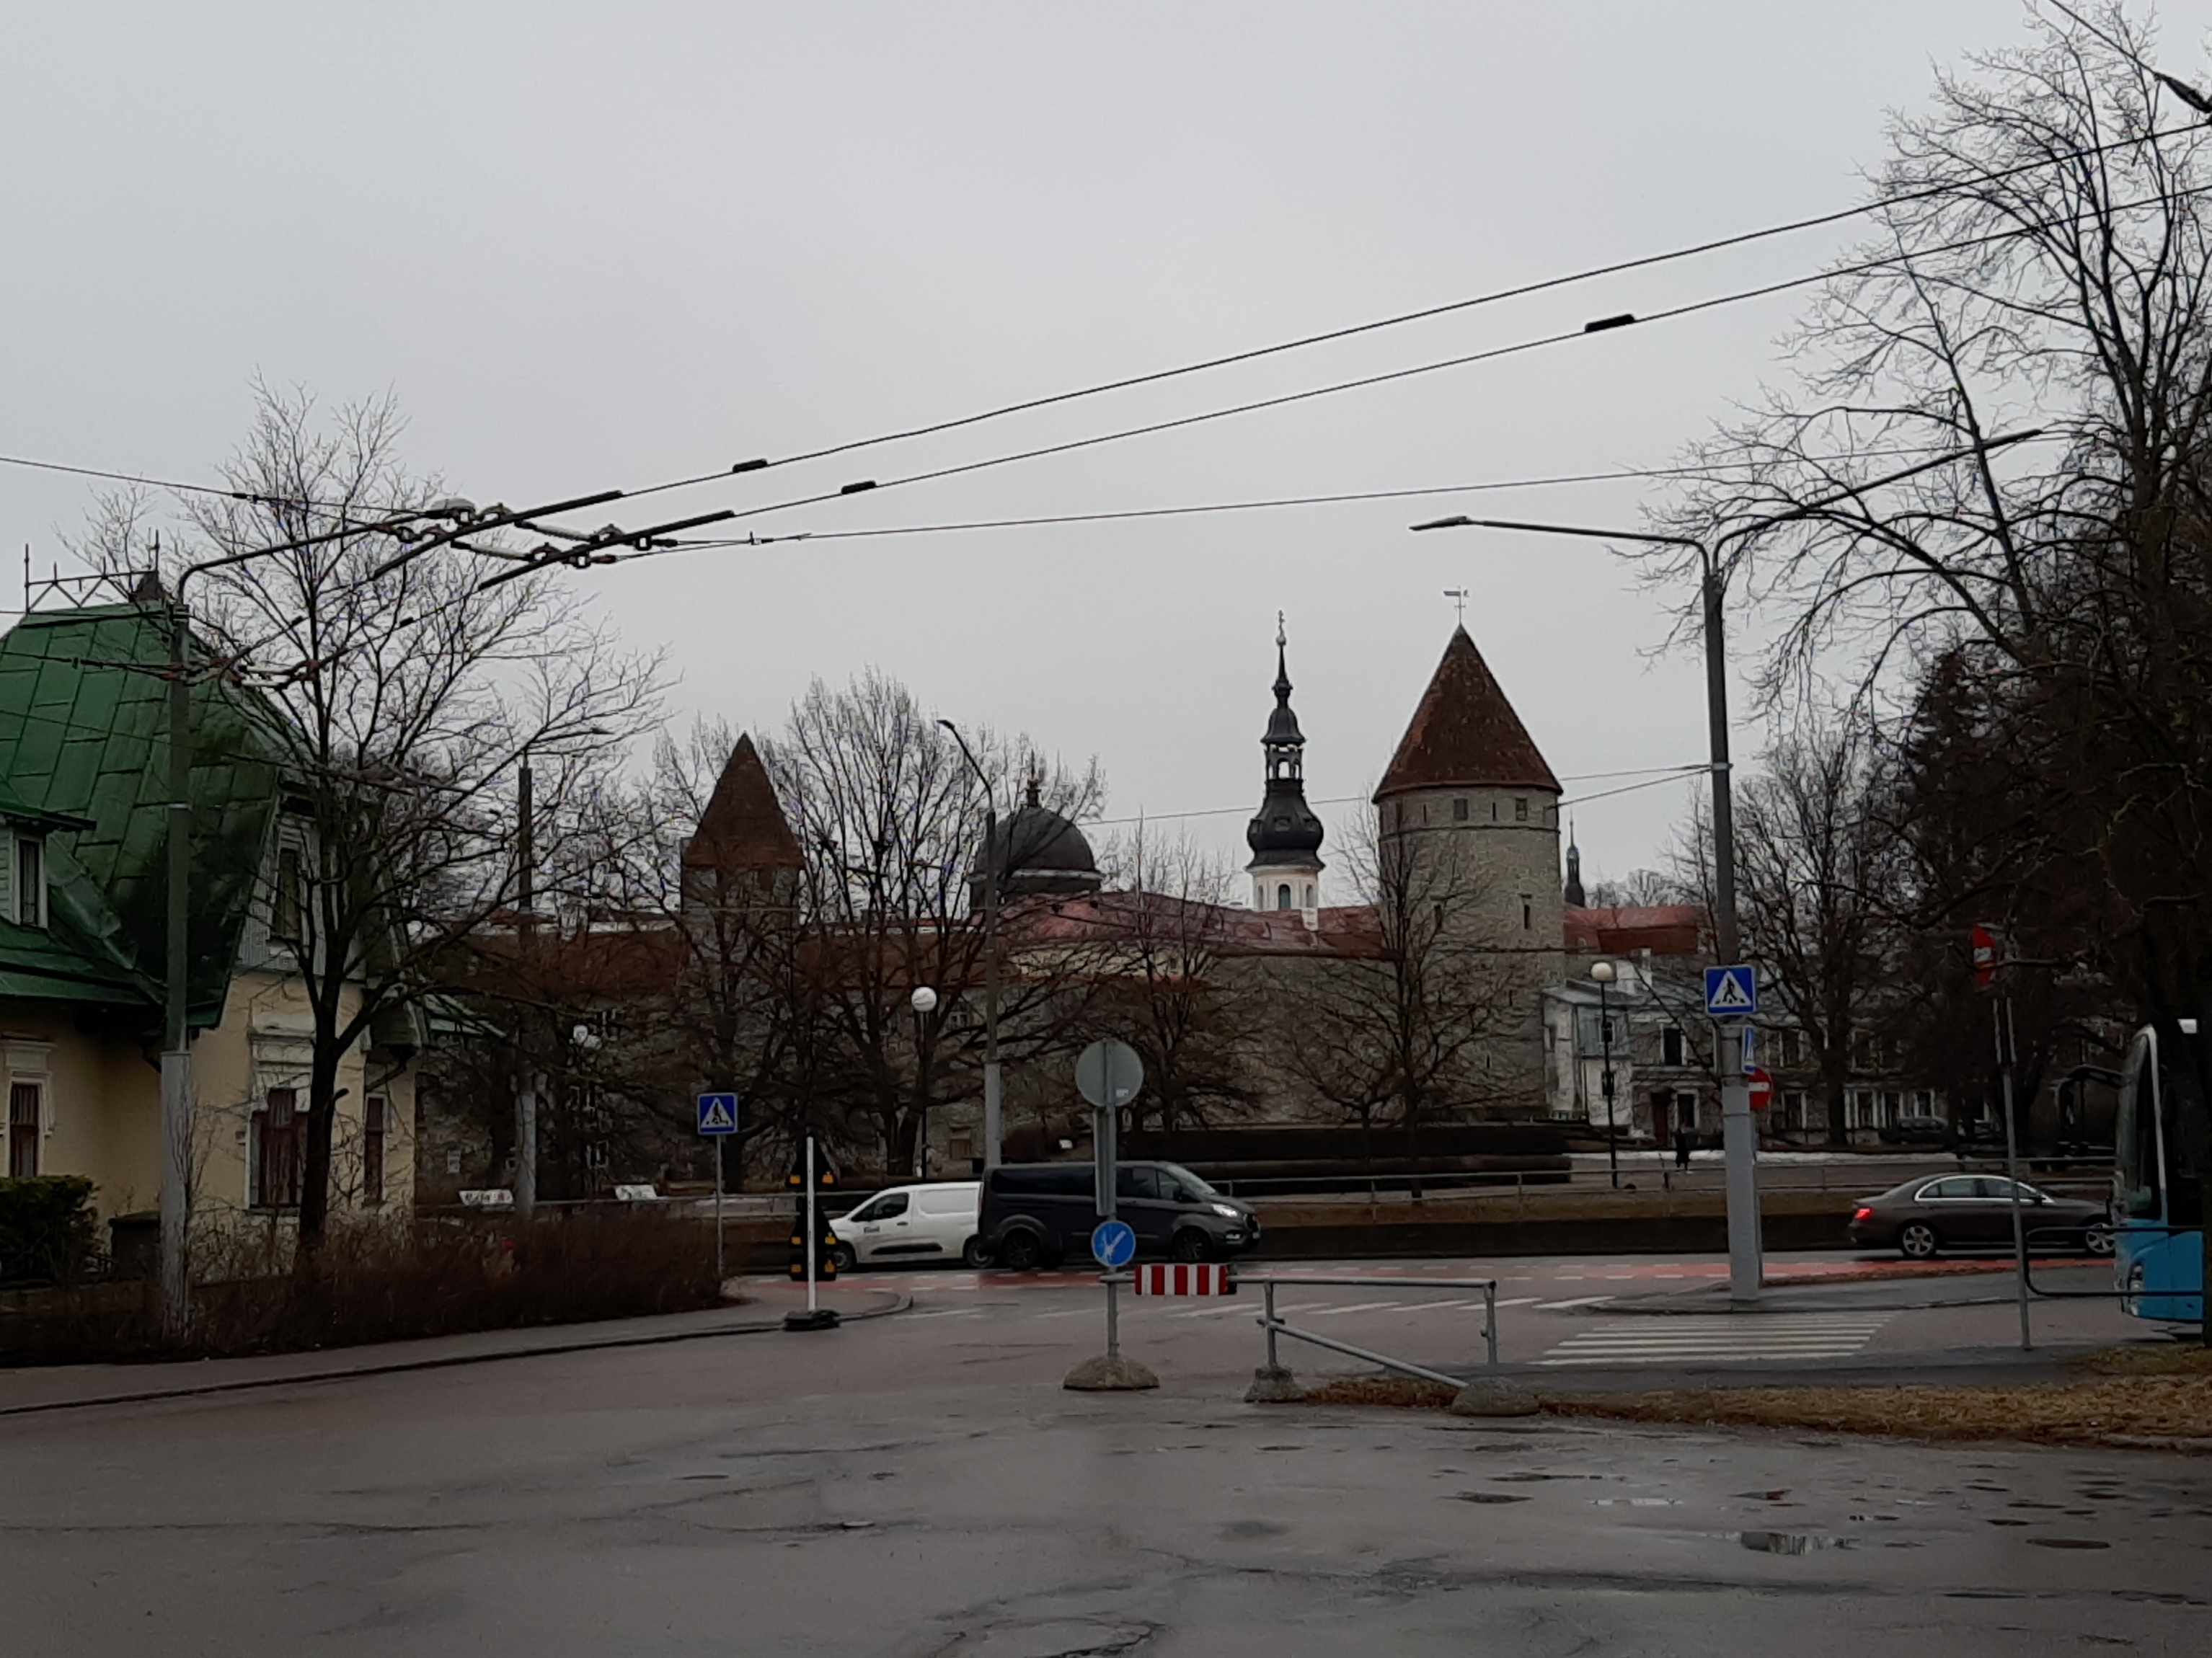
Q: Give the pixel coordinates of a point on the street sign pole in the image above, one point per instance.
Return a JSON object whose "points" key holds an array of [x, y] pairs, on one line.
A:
{"points": [[1731, 997], [1108, 1074], [2002, 1014], [718, 1120], [811, 1307]]}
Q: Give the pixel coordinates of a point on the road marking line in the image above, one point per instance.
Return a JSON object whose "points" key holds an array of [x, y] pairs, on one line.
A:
{"points": [[1583, 1300], [1722, 1337]]}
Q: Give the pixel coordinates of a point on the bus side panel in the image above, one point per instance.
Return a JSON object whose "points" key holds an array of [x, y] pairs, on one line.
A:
{"points": [[2162, 1275]]}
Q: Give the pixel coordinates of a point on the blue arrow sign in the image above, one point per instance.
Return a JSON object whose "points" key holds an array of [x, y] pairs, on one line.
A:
{"points": [[718, 1113], [1114, 1243], [1731, 993]]}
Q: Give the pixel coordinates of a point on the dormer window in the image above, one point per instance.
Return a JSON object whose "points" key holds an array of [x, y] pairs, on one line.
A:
{"points": [[284, 911], [30, 874]]}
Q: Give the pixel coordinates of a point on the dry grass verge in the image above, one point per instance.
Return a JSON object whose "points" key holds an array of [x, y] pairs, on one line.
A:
{"points": [[2142, 1397]]}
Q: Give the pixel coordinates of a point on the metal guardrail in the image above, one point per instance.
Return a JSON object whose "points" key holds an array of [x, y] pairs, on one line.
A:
{"points": [[1274, 1326]]}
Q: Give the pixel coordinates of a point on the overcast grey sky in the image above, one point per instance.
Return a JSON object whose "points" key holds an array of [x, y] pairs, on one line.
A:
{"points": [[592, 246]]}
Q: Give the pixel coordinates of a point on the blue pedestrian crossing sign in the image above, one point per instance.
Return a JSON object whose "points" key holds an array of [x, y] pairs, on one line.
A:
{"points": [[718, 1113], [1731, 993], [1114, 1243]]}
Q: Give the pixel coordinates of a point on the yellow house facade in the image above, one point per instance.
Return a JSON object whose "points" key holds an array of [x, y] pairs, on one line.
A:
{"points": [[82, 756]]}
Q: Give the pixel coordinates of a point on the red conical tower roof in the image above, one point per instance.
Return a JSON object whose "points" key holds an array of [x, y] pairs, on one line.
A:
{"points": [[743, 826], [1464, 733]]}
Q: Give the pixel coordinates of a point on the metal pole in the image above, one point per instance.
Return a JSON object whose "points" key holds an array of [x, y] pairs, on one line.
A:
{"points": [[994, 1081], [719, 1139], [526, 1102], [176, 1052], [2002, 1012], [1490, 1322], [1738, 1141], [1605, 1042], [1268, 1288], [810, 1223], [1106, 1153]]}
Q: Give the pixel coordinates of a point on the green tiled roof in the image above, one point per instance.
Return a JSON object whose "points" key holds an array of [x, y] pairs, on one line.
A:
{"points": [[83, 724]]}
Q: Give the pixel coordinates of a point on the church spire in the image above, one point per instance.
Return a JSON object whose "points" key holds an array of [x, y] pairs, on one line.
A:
{"points": [[1286, 837], [1574, 895]]}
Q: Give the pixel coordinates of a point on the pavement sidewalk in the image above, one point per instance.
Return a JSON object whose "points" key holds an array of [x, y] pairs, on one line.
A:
{"points": [[71, 1387]]}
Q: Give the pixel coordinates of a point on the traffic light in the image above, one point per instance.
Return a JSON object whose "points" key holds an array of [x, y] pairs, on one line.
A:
{"points": [[825, 1244]]}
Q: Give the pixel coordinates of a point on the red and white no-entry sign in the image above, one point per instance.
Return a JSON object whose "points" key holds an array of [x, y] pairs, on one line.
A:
{"points": [[1762, 1088], [1184, 1278]]}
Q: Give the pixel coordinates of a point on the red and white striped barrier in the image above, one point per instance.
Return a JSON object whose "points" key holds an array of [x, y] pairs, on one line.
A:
{"points": [[1184, 1278]]}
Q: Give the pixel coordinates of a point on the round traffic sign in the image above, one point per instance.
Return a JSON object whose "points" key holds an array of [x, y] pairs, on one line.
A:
{"points": [[1109, 1073], [1114, 1243], [1762, 1088]]}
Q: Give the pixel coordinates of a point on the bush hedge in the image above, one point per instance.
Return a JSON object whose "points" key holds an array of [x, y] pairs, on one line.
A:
{"points": [[48, 1231]]}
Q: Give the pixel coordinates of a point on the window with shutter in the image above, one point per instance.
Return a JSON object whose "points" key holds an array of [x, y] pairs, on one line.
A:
{"points": [[276, 1146], [372, 1149], [25, 1101]]}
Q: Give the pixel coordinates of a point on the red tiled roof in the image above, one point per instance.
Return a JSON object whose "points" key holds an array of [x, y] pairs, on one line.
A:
{"points": [[1465, 734], [1663, 929], [743, 826]]}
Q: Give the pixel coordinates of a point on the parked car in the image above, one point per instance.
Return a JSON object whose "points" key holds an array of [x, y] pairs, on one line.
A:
{"points": [[1036, 1214], [935, 1222], [1923, 1217], [1921, 1130]]}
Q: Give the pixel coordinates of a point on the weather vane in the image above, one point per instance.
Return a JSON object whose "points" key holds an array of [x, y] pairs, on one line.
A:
{"points": [[1280, 637], [1458, 597]]}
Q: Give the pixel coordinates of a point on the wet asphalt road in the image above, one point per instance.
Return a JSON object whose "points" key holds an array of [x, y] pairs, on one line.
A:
{"points": [[921, 1485]]}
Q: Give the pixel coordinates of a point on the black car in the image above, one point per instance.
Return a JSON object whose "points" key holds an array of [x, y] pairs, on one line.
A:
{"points": [[1924, 1216], [1036, 1214]]}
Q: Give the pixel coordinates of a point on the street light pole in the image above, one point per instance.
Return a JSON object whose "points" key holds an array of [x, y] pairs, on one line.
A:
{"points": [[1602, 973], [993, 1086], [924, 1002], [1738, 1138]]}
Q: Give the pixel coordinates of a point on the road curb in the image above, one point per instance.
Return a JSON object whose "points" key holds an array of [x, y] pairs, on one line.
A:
{"points": [[901, 1302]]}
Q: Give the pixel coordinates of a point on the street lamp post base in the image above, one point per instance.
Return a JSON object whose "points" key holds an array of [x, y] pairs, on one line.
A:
{"points": [[1271, 1384], [818, 1318]]}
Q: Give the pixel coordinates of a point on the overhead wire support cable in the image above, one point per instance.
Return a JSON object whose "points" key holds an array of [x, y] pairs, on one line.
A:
{"points": [[1592, 273], [1615, 476], [1687, 308]]}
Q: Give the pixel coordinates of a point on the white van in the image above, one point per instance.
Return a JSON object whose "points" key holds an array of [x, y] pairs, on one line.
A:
{"points": [[912, 1222]]}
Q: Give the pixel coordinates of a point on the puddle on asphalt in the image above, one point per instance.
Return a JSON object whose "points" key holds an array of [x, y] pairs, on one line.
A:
{"points": [[1635, 1502], [1491, 1496], [1790, 1542], [2069, 1542], [1524, 1478]]}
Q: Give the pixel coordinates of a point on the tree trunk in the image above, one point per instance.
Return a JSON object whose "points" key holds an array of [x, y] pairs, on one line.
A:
{"points": [[315, 1161], [1831, 1084]]}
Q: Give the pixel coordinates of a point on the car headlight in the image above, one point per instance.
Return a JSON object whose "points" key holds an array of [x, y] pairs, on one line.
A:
{"points": [[1225, 1212]]}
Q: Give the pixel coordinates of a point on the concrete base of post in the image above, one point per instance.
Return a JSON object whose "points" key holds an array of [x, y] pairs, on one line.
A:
{"points": [[1109, 1374], [1487, 1396], [820, 1318], [1273, 1385]]}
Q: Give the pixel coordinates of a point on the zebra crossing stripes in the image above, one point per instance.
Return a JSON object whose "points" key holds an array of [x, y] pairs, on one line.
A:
{"points": [[1719, 1338]]}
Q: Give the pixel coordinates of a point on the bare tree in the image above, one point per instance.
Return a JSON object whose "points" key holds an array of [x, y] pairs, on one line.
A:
{"points": [[890, 821], [1163, 990], [2043, 258], [401, 704], [1405, 1023], [1820, 873], [1640, 888]]}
